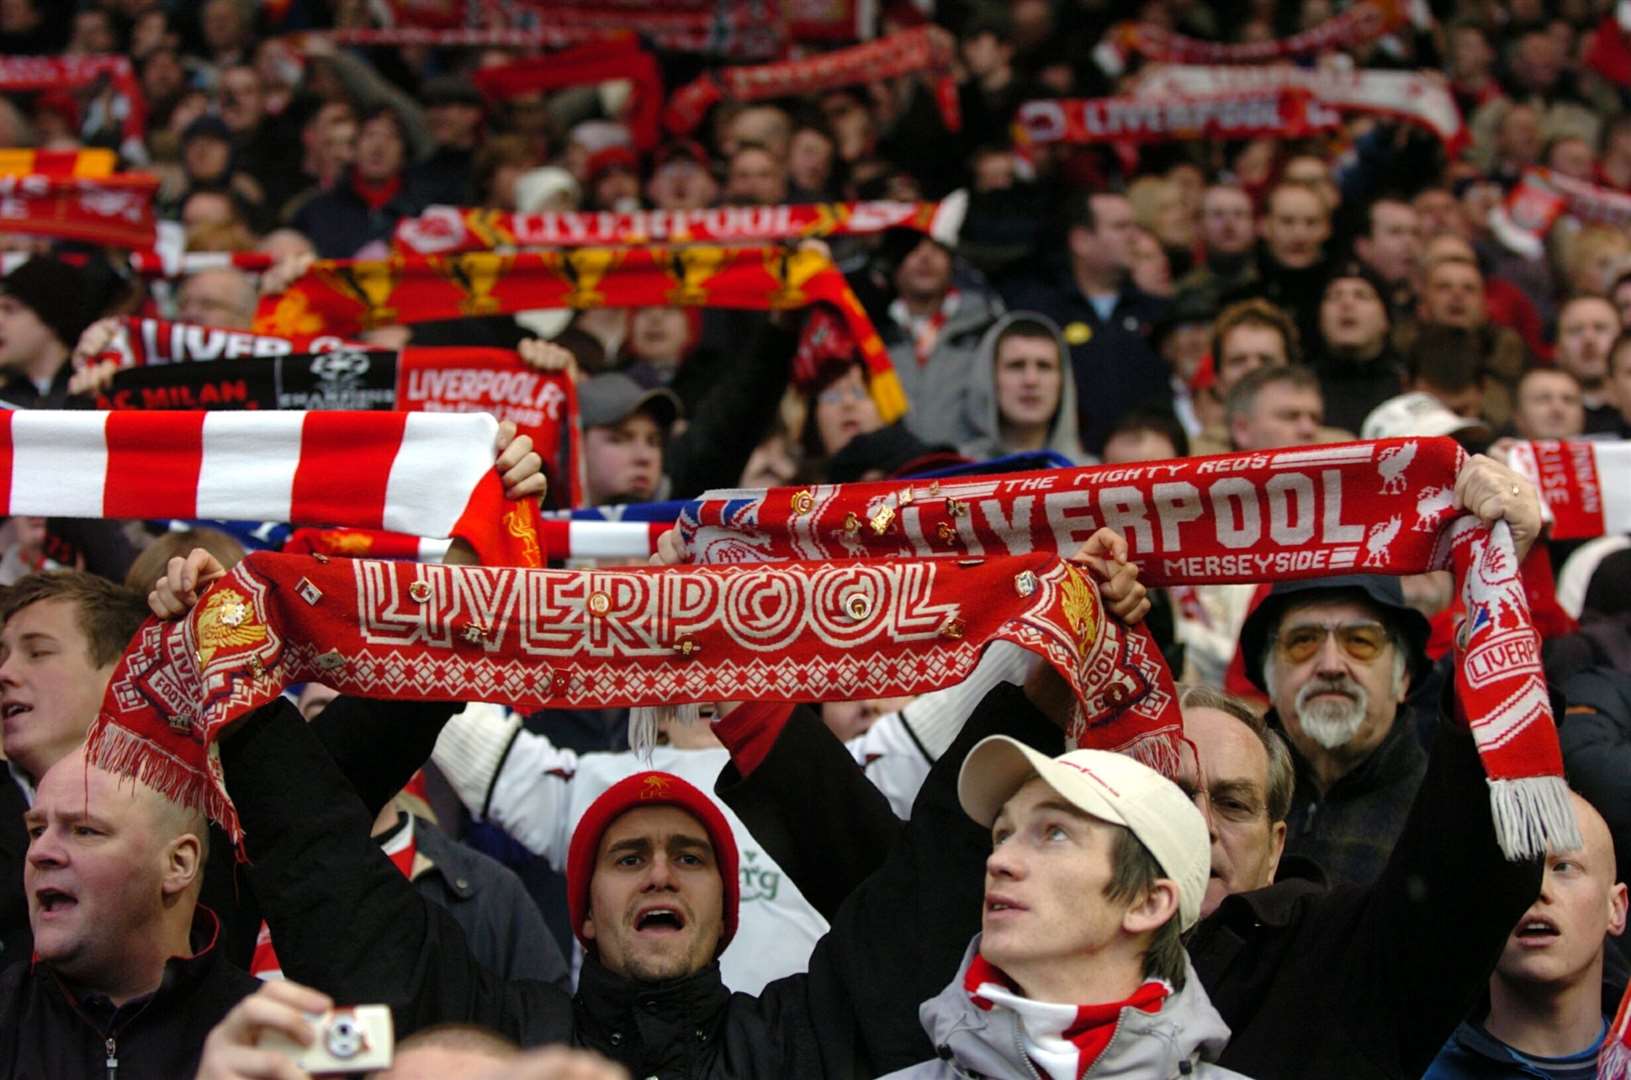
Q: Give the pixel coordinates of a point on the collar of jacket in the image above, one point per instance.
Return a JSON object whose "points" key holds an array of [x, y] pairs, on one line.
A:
{"points": [[181, 973], [608, 1003], [1397, 755]]}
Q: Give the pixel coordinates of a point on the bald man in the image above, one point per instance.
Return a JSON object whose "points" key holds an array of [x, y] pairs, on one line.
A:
{"points": [[127, 980], [1548, 1009], [220, 296]]}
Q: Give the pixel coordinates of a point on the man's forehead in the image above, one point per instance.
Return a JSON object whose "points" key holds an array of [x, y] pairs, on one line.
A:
{"points": [[654, 825], [53, 615], [1228, 749], [1344, 610]]}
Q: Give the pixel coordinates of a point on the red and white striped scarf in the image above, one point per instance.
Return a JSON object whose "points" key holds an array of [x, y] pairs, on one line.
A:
{"points": [[607, 638], [22, 74], [1062, 1041], [1380, 507], [1542, 196], [428, 474], [1585, 486]]}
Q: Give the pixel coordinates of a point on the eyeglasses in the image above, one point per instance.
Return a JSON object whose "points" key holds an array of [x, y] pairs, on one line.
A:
{"points": [[838, 395], [1361, 641]]}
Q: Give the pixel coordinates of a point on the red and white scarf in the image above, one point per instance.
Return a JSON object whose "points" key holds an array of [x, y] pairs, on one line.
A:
{"points": [[729, 29], [1380, 507], [908, 52], [542, 405], [1422, 98], [111, 211], [1585, 486], [1285, 112], [158, 263], [1363, 22], [606, 638], [23, 74], [1062, 1041], [420, 473], [1542, 196], [443, 230]]}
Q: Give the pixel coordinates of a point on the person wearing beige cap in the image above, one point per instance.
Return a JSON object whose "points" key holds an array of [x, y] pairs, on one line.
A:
{"points": [[1098, 867]]}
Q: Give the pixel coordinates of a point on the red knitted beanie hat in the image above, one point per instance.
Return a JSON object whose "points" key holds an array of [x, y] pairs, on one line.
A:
{"points": [[631, 793]]}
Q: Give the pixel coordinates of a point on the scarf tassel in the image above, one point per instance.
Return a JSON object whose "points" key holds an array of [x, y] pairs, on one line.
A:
{"points": [[119, 749], [1533, 816], [1614, 1062], [646, 721]]}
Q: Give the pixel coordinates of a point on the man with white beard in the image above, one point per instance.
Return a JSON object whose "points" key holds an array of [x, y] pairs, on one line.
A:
{"points": [[1336, 657]]}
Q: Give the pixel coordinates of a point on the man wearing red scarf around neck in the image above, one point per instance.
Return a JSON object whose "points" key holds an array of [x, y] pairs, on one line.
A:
{"points": [[1098, 865]]}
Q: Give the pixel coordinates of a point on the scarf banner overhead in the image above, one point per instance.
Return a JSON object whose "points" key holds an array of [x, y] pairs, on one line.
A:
{"points": [[93, 164], [1363, 22], [141, 342], [1585, 486], [450, 380], [24, 74], [153, 263], [609, 638], [1417, 97], [1382, 507], [112, 211], [347, 296], [1282, 113], [729, 29], [926, 49], [1542, 196], [443, 230], [419, 473], [586, 65]]}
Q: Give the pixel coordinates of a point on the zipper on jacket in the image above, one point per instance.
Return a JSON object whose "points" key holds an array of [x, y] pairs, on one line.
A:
{"points": [[1019, 1044], [113, 1058], [1308, 817]]}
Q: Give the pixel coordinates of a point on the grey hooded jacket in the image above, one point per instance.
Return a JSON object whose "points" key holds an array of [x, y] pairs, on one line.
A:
{"points": [[937, 391], [980, 404], [1182, 1040]]}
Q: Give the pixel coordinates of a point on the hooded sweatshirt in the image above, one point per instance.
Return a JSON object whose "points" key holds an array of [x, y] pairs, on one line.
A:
{"points": [[981, 401], [989, 1038]]}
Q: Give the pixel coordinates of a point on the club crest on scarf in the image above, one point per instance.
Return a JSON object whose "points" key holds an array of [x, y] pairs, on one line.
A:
{"points": [[582, 270], [370, 283], [225, 620], [475, 275], [690, 267]]}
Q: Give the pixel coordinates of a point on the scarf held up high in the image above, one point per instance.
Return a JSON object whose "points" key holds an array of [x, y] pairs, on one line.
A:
{"points": [[647, 636], [346, 296], [1383, 507]]}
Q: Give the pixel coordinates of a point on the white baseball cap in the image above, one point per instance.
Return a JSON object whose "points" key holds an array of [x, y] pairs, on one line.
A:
{"points": [[1109, 786], [1418, 413]]}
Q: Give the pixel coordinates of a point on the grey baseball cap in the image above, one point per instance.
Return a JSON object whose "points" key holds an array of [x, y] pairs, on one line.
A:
{"points": [[613, 397]]}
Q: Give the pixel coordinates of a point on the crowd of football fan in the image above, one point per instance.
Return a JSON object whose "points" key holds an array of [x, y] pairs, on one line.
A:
{"points": [[928, 886]]}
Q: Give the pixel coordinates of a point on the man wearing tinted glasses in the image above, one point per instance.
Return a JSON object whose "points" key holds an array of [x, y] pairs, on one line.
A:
{"points": [[1337, 657]]}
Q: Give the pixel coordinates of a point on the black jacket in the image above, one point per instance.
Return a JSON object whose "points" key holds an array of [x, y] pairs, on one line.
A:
{"points": [[47, 1033], [490, 904], [1353, 388], [1349, 831], [1351, 982], [1595, 734], [346, 922], [340, 222]]}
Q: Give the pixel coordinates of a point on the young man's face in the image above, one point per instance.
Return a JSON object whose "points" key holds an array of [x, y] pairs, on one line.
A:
{"points": [[1393, 247], [23, 337], [1246, 348], [1246, 845], [1352, 317], [1045, 904], [50, 689], [1029, 380], [623, 461], [1226, 221], [1559, 940], [1548, 406], [656, 904], [1454, 295], [1296, 227], [1585, 332]]}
